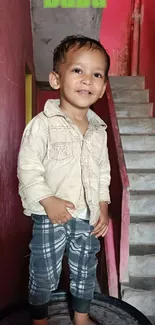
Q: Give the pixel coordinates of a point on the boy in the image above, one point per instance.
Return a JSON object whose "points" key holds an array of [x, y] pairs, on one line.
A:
{"points": [[64, 177]]}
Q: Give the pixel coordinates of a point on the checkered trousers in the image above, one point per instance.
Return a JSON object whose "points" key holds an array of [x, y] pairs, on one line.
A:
{"points": [[47, 246]]}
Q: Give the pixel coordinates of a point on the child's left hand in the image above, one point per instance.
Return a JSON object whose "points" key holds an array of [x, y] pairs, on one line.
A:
{"points": [[101, 226]]}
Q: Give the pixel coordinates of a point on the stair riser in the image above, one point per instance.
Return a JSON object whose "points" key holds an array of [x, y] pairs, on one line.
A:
{"points": [[130, 96], [138, 142], [131, 110], [142, 181], [142, 205], [127, 82], [142, 234], [142, 266], [136, 126], [140, 160], [143, 283]]}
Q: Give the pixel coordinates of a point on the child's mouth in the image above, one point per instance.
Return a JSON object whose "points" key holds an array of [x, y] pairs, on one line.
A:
{"points": [[84, 92]]}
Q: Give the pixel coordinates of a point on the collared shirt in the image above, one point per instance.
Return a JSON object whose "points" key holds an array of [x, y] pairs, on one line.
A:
{"points": [[55, 159]]}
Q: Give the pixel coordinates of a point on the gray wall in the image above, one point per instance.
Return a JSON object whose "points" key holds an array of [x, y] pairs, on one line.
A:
{"points": [[50, 26]]}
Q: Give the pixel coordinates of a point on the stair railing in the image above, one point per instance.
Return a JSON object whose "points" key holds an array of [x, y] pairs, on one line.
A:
{"points": [[117, 239]]}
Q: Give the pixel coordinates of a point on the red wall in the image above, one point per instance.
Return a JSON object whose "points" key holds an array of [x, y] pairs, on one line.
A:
{"points": [[147, 47], [115, 34], [43, 96], [15, 229]]}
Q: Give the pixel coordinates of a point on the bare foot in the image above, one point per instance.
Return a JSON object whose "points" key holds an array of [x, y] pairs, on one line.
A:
{"points": [[89, 322], [82, 319], [86, 322], [40, 322]]}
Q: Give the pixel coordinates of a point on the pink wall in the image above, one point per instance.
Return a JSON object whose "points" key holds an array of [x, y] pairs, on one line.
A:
{"points": [[115, 34], [147, 47], [15, 229]]}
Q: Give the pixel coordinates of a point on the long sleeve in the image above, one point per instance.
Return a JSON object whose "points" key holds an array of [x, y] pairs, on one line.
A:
{"points": [[31, 171], [104, 173]]}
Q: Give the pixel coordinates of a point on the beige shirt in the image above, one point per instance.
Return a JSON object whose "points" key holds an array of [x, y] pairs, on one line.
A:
{"points": [[55, 159]]}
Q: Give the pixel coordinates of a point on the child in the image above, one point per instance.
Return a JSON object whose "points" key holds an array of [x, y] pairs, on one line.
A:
{"points": [[64, 176]]}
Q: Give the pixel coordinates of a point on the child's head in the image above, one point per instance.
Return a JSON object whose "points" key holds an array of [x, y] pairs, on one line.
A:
{"points": [[80, 70]]}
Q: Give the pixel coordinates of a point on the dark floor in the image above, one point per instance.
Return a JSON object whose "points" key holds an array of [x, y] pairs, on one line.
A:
{"points": [[103, 312]]}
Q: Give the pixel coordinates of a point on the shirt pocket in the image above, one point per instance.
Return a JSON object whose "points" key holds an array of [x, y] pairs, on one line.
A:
{"points": [[97, 145], [60, 145]]}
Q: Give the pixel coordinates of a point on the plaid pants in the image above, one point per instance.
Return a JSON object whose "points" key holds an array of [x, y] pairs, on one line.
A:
{"points": [[47, 246]]}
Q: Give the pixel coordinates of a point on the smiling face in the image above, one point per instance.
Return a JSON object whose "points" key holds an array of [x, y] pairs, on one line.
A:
{"points": [[81, 78]]}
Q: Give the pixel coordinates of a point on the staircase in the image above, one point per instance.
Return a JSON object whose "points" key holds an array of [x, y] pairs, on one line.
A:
{"points": [[137, 130]]}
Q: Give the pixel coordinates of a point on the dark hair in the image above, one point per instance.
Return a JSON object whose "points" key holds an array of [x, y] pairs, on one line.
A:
{"points": [[77, 41]]}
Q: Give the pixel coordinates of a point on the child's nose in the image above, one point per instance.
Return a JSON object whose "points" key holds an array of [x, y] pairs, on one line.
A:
{"points": [[87, 79]]}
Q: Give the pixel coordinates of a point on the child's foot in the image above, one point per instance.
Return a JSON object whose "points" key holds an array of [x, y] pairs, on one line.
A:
{"points": [[85, 322], [82, 319], [40, 322]]}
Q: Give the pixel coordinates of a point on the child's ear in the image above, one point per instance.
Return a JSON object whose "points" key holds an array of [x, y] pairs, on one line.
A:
{"points": [[54, 80], [103, 90]]}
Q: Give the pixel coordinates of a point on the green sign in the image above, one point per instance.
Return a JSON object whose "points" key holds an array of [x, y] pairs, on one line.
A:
{"points": [[74, 3]]}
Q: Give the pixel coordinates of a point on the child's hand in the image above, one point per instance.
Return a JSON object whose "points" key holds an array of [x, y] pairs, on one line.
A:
{"points": [[56, 209], [101, 227]]}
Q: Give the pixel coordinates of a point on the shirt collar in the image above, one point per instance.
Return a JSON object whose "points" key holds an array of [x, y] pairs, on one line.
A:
{"points": [[52, 109]]}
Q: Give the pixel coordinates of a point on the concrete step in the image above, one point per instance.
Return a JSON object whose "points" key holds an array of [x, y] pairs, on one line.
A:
{"points": [[142, 282], [142, 266], [130, 96], [142, 181], [127, 82], [142, 233], [136, 142], [137, 126], [142, 205], [139, 160], [134, 110], [143, 300]]}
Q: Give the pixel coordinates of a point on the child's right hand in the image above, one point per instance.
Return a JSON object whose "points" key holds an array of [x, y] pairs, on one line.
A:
{"points": [[56, 209]]}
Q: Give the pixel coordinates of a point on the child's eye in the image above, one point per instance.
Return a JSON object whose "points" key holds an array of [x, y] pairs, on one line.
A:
{"points": [[76, 70], [97, 75]]}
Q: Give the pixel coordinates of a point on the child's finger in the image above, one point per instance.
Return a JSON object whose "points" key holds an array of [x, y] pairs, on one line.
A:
{"points": [[99, 225], [95, 232], [59, 222], [64, 220], [105, 232], [68, 216], [99, 234], [69, 205], [102, 232]]}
